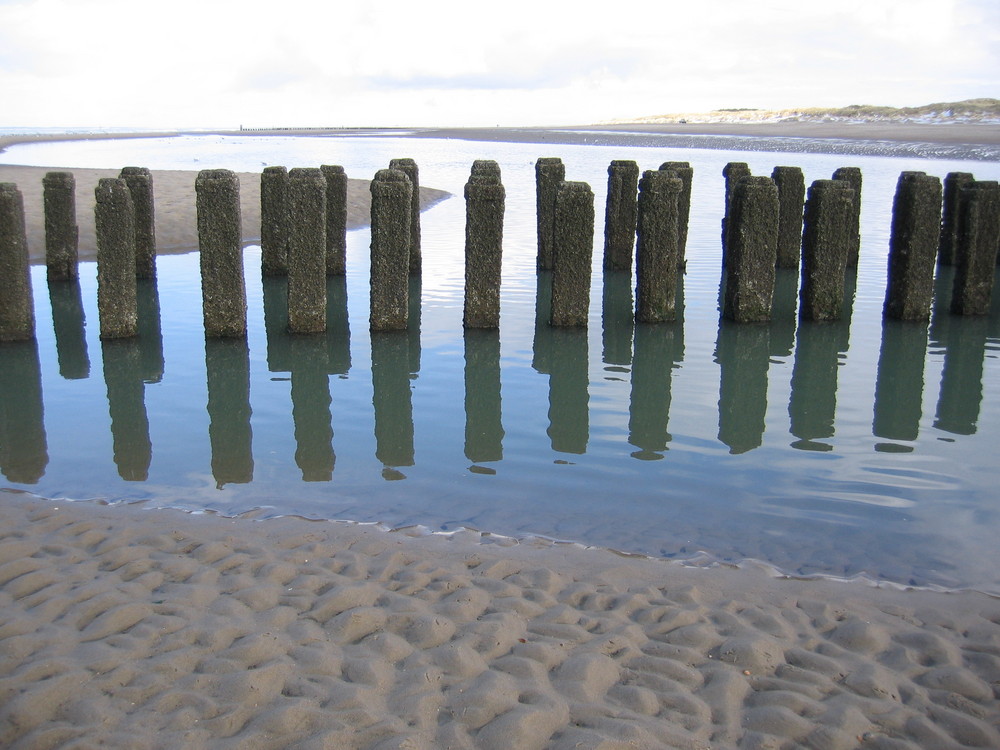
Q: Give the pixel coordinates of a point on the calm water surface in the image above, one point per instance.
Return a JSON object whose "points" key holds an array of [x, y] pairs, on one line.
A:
{"points": [[841, 449]]}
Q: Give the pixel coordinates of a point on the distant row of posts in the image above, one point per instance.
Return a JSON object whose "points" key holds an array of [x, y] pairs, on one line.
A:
{"points": [[769, 223]]}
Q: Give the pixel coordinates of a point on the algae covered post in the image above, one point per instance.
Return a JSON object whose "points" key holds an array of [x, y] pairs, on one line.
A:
{"points": [[117, 303], [140, 185], [791, 196], [976, 255], [913, 243], [17, 312], [572, 254], [685, 173], [274, 221], [390, 250], [484, 212], [549, 172], [410, 169], [826, 243], [951, 211], [61, 231], [223, 291], [852, 176], [733, 172], [336, 219], [620, 215], [751, 251], [657, 248], [306, 251]]}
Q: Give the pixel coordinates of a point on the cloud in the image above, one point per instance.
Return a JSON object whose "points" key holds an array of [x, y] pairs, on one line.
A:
{"points": [[116, 62]]}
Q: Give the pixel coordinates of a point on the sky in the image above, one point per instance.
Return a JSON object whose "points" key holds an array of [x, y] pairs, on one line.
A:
{"points": [[296, 63]]}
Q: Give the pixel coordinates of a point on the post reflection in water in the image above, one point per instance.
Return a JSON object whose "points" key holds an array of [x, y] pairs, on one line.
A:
{"points": [[963, 338], [899, 384], [150, 332], [23, 445], [541, 346], [742, 352], [820, 348], [783, 312], [483, 420], [812, 405], [618, 321], [228, 364], [562, 353], [569, 390], [310, 360], [338, 326], [659, 348], [392, 400], [311, 408], [133, 450], [69, 323]]}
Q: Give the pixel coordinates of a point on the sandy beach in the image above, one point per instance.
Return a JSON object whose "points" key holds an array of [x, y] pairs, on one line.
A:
{"points": [[129, 627]]}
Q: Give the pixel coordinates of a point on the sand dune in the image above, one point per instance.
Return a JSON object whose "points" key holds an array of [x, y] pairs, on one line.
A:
{"points": [[129, 628]]}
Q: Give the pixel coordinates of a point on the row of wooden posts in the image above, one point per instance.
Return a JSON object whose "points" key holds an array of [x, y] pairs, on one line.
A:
{"points": [[770, 222]]}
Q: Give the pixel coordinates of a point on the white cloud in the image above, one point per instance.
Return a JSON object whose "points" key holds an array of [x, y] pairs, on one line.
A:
{"points": [[222, 62]]}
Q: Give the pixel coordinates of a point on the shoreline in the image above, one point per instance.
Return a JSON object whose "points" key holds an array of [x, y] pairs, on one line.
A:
{"points": [[170, 629]]}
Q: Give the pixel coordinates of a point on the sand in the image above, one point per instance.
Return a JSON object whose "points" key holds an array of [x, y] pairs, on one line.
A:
{"points": [[128, 627], [175, 216]]}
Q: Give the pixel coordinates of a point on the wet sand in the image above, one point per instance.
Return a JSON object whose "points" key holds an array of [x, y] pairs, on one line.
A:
{"points": [[124, 627]]}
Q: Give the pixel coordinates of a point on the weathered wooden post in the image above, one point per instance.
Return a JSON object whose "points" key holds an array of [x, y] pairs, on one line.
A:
{"points": [[17, 312], [950, 215], [306, 202], [549, 172], [976, 255], [791, 195], [336, 219], [484, 211], [61, 231], [140, 185], [572, 254], [916, 228], [390, 250], [852, 176], [223, 290], [409, 168], [274, 221], [117, 304], [752, 250], [620, 215], [733, 172], [826, 241], [657, 248], [685, 173]]}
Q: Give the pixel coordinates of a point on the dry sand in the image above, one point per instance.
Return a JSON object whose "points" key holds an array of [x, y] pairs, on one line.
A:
{"points": [[124, 627]]}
